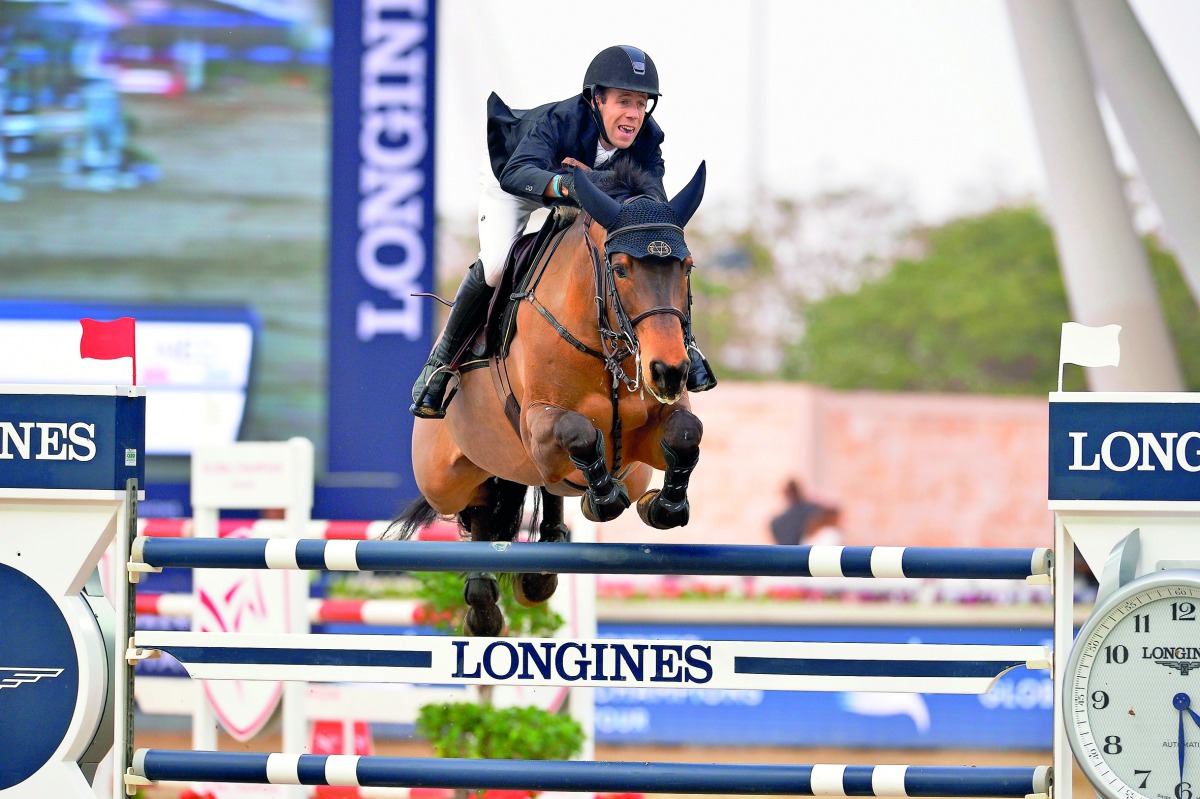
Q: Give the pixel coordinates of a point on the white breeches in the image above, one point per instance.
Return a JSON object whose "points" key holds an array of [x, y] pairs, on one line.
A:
{"points": [[502, 219]]}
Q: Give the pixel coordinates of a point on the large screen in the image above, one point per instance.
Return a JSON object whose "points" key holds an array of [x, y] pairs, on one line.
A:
{"points": [[168, 159], [195, 363]]}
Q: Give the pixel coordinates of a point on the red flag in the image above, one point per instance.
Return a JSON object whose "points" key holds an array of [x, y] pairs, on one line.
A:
{"points": [[106, 341]]}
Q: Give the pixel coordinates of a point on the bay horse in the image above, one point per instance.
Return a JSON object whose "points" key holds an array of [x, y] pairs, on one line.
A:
{"points": [[599, 347]]}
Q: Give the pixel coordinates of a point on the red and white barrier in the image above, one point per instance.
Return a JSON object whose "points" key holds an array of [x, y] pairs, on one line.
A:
{"points": [[371, 612], [278, 528]]}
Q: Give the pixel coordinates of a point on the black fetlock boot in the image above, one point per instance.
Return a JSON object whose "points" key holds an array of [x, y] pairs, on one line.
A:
{"points": [[429, 392], [606, 497], [700, 375], [669, 507]]}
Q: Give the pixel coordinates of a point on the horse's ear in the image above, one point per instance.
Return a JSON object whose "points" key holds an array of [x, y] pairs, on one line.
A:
{"points": [[604, 209], [685, 203]]}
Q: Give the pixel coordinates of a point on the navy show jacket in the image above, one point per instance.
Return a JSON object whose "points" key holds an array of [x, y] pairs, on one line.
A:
{"points": [[527, 148]]}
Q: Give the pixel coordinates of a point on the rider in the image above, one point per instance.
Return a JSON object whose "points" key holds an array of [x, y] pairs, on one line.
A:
{"points": [[531, 154]]}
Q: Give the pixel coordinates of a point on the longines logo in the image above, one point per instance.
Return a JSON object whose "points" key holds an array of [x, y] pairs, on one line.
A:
{"points": [[1121, 451], [1183, 659], [47, 441], [14, 677], [569, 661]]}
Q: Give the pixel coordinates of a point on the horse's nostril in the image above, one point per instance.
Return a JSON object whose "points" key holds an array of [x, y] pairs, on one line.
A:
{"points": [[668, 377]]}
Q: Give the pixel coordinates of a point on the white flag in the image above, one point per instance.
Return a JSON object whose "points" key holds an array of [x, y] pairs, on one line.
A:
{"points": [[1089, 346]]}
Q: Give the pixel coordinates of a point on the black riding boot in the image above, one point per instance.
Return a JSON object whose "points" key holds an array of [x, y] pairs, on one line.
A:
{"points": [[429, 392], [700, 375]]}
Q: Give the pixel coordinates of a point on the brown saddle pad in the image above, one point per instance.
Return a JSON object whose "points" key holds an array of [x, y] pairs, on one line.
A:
{"points": [[494, 332]]}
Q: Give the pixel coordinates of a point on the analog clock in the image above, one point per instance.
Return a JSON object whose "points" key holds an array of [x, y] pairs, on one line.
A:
{"points": [[1131, 696]]}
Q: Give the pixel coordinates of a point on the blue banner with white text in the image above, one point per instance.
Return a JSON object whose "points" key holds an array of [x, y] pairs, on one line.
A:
{"points": [[1015, 714], [72, 441], [381, 242], [1127, 451]]}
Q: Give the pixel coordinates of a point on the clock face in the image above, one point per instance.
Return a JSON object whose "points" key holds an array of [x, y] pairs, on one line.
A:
{"points": [[1132, 700]]}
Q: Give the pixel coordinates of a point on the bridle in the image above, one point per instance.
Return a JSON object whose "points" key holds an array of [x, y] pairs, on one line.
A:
{"points": [[618, 342], [622, 342]]}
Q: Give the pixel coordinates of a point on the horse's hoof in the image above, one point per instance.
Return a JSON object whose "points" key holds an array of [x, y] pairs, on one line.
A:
{"points": [[595, 511], [659, 514], [534, 589], [481, 588], [484, 622], [553, 533]]}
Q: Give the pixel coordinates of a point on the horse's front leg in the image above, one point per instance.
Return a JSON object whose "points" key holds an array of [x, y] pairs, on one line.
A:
{"points": [[555, 431], [681, 449]]}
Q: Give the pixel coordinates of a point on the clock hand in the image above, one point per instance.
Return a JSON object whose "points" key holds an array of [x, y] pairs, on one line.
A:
{"points": [[1184, 703], [1182, 747]]}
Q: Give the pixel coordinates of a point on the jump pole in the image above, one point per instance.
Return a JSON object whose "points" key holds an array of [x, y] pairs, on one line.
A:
{"points": [[575, 775], [153, 554]]}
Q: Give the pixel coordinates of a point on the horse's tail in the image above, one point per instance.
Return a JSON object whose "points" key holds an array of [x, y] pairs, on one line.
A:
{"points": [[416, 515], [505, 514]]}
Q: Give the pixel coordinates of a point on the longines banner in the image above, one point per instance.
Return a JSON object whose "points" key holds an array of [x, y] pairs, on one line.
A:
{"points": [[76, 441], [381, 240], [1125, 451]]}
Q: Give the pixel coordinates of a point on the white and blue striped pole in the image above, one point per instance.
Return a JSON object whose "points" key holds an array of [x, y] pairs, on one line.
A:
{"points": [[556, 775], [706, 559]]}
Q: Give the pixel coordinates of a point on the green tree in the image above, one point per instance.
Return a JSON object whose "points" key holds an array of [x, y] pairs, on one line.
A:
{"points": [[980, 311]]}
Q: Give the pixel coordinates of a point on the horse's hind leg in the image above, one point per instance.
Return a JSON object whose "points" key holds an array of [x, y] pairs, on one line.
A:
{"points": [[481, 591], [535, 588], [681, 448]]}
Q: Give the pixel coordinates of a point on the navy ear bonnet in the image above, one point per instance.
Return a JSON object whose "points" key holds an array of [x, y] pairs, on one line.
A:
{"points": [[646, 228]]}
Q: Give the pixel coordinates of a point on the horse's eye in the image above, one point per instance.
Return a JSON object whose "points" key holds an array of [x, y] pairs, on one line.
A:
{"points": [[619, 270]]}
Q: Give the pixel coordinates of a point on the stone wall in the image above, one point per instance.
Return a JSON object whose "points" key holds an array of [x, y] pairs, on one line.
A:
{"points": [[906, 469]]}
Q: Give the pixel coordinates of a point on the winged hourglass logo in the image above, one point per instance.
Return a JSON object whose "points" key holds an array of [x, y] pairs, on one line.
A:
{"points": [[15, 677], [1184, 666]]}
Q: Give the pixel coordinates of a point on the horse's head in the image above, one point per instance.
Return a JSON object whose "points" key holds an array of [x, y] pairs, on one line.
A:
{"points": [[648, 264]]}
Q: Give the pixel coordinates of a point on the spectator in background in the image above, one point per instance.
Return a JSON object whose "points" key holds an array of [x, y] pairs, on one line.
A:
{"points": [[825, 529], [797, 521]]}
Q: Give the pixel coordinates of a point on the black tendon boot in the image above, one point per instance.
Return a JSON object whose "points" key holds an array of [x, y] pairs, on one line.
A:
{"points": [[429, 392], [700, 375], [606, 497]]}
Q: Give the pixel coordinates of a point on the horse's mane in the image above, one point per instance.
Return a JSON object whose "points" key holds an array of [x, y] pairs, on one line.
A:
{"points": [[625, 179]]}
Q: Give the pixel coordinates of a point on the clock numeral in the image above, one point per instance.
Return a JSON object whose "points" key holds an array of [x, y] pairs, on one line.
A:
{"points": [[1144, 779], [1099, 700], [1116, 654], [1112, 745], [1183, 790], [1183, 611], [1141, 623]]}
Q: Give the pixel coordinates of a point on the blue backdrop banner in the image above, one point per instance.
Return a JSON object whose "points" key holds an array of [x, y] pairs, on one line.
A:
{"points": [[381, 243], [1015, 714]]}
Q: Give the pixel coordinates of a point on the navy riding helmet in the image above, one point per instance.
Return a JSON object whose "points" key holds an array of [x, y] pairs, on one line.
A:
{"points": [[621, 67]]}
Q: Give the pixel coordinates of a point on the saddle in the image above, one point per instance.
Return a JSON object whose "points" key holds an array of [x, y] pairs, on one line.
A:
{"points": [[494, 332]]}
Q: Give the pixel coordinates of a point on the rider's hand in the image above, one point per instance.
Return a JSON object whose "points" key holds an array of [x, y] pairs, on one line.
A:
{"points": [[566, 185], [569, 162]]}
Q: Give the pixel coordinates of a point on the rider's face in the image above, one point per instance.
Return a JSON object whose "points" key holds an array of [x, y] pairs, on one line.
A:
{"points": [[622, 113]]}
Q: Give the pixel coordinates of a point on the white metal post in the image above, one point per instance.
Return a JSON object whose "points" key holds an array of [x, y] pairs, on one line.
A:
{"points": [[1104, 266]]}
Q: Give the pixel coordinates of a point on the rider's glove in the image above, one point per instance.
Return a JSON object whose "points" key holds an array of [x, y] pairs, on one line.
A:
{"points": [[566, 186]]}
